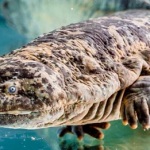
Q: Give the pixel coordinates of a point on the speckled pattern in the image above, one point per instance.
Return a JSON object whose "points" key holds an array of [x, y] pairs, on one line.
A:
{"points": [[77, 74]]}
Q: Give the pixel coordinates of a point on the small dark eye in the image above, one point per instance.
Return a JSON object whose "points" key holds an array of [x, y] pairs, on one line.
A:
{"points": [[12, 89]]}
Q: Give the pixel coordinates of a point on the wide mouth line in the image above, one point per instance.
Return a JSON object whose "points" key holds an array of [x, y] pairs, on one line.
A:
{"points": [[17, 112]]}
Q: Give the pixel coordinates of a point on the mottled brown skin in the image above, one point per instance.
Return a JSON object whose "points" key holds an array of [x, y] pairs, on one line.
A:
{"points": [[80, 74]]}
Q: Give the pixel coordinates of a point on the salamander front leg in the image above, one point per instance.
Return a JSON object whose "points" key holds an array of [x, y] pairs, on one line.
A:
{"points": [[136, 104], [90, 129]]}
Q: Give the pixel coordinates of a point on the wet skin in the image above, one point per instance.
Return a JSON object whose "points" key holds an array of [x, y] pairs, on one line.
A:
{"points": [[80, 76]]}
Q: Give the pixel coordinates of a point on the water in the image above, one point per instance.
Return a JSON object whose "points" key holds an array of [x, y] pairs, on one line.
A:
{"points": [[117, 137], [13, 36], [9, 38]]}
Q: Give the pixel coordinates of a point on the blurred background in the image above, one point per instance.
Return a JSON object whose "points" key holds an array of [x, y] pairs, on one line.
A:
{"points": [[23, 20]]}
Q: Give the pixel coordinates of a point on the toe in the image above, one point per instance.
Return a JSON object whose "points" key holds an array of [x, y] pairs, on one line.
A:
{"points": [[104, 125], [78, 131], [64, 130], [131, 115], [123, 115], [94, 132], [142, 110]]}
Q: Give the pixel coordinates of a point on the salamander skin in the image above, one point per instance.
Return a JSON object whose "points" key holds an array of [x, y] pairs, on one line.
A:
{"points": [[79, 74]]}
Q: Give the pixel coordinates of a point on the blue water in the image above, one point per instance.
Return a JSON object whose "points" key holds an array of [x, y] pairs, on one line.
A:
{"points": [[117, 137], [9, 38]]}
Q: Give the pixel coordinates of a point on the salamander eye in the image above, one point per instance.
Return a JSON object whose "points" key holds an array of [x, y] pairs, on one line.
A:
{"points": [[12, 89]]}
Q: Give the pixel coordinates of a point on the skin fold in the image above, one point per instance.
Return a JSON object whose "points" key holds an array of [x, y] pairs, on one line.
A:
{"points": [[81, 76]]}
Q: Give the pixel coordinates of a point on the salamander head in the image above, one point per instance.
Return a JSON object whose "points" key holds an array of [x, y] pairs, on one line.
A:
{"points": [[26, 93]]}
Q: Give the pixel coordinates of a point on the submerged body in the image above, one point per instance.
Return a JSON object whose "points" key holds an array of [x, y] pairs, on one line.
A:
{"points": [[77, 74]]}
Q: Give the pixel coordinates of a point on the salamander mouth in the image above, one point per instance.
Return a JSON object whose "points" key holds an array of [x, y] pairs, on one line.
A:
{"points": [[21, 119], [27, 119], [18, 112]]}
